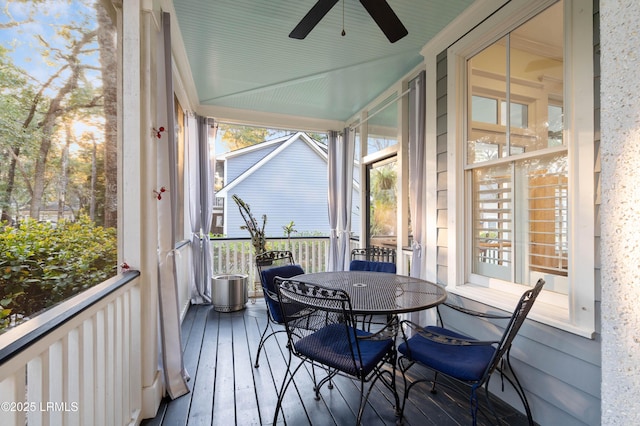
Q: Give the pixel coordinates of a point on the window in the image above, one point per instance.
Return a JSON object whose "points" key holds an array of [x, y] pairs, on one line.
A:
{"points": [[58, 138], [485, 110], [382, 199], [522, 214], [380, 167], [382, 126], [517, 203]]}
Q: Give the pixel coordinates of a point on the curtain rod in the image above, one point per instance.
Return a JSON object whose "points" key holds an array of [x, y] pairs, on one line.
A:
{"points": [[380, 110]]}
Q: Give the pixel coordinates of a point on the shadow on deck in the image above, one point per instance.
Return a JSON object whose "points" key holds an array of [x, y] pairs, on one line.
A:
{"points": [[219, 351]]}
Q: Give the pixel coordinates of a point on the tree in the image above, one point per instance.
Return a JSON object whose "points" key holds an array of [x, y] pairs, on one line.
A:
{"points": [[11, 130], [60, 103], [236, 137], [58, 69]]}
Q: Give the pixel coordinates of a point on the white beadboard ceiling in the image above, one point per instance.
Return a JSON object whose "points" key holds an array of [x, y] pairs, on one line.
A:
{"points": [[242, 58]]}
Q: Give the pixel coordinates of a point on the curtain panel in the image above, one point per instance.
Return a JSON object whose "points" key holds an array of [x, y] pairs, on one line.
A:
{"points": [[417, 169], [201, 198], [333, 201], [346, 152], [340, 169], [175, 375]]}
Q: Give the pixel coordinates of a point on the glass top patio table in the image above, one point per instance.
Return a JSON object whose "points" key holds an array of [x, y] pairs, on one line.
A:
{"points": [[379, 292]]}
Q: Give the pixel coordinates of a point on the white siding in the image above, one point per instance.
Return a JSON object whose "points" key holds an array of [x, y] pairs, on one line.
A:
{"points": [[291, 186]]}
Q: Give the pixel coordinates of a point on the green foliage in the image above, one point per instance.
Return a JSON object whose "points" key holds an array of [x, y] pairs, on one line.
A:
{"points": [[289, 229], [42, 264], [236, 137]]}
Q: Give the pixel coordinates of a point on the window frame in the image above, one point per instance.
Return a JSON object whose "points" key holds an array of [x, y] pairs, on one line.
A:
{"points": [[575, 312]]}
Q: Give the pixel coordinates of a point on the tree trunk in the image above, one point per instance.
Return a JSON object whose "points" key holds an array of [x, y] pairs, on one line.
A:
{"points": [[41, 165], [64, 175], [11, 179], [108, 62], [94, 175], [55, 110]]}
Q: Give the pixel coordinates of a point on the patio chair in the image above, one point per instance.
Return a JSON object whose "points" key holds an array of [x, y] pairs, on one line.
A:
{"points": [[373, 259], [463, 358], [376, 259], [322, 333], [271, 264]]}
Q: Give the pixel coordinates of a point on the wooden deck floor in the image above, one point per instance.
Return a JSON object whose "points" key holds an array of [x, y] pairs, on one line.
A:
{"points": [[219, 350]]}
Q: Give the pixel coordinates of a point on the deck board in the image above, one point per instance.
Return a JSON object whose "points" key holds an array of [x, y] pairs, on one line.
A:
{"points": [[219, 353]]}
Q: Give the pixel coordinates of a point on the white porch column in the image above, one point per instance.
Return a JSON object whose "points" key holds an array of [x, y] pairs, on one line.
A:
{"points": [[620, 211], [137, 222]]}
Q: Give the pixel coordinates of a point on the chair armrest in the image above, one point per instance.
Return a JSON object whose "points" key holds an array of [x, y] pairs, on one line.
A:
{"points": [[390, 330], [270, 294], [476, 313], [443, 338]]}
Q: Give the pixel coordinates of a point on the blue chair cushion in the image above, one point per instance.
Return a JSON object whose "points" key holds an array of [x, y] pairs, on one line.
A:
{"points": [[369, 265], [466, 363], [333, 346], [268, 276]]}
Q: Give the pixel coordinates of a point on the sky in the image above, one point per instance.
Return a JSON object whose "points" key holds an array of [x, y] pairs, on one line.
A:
{"points": [[40, 19]]}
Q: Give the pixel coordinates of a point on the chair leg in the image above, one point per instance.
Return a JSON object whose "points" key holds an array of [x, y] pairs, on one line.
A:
{"points": [[519, 389], [391, 385], [489, 403], [285, 384], [474, 406], [405, 393], [327, 379], [433, 386], [363, 402], [262, 339]]}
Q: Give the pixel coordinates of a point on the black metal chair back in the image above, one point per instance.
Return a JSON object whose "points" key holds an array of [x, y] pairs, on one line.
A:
{"points": [[321, 330], [270, 264], [375, 254], [464, 358], [375, 259], [272, 259]]}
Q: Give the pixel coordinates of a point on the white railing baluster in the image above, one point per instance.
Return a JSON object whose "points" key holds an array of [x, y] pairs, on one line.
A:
{"points": [[73, 376], [118, 379], [100, 371], [86, 406], [126, 349], [56, 381], [13, 391], [38, 387], [110, 366]]}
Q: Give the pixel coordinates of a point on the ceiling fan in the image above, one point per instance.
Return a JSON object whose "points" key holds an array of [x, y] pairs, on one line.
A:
{"points": [[379, 10]]}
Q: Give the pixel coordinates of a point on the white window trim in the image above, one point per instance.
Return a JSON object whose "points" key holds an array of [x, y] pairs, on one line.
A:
{"points": [[574, 313]]}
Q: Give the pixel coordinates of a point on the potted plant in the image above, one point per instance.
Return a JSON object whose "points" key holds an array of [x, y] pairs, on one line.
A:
{"points": [[258, 239]]}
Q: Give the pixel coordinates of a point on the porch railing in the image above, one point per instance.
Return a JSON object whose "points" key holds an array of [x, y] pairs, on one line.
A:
{"points": [[235, 256], [78, 363]]}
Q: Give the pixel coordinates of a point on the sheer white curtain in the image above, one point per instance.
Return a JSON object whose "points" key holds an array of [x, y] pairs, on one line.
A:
{"points": [[417, 169], [333, 201], [340, 166], [347, 147], [201, 199], [417, 177], [175, 374]]}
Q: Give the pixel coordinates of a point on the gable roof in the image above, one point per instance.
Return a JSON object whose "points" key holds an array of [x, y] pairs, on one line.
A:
{"points": [[284, 142]]}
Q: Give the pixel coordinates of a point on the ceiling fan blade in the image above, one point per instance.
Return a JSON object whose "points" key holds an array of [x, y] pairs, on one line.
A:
{"points": [[386, 19], [312, 18]]}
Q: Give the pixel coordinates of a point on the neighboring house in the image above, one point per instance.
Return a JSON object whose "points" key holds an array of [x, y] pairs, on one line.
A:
{"points": [[284, 178]]}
